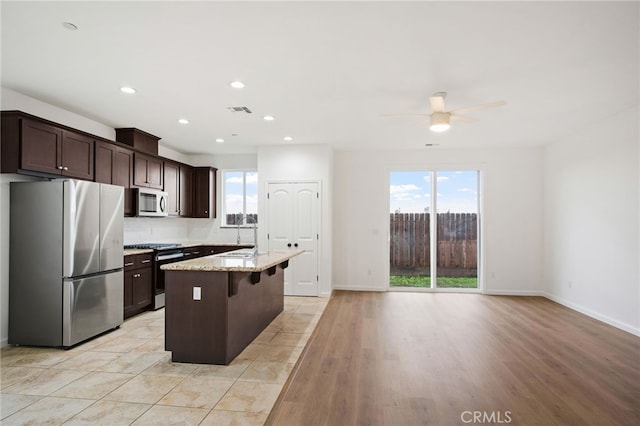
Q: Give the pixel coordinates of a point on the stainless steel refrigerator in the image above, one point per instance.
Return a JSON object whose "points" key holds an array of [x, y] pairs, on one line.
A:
{"points": [[66, 261]]}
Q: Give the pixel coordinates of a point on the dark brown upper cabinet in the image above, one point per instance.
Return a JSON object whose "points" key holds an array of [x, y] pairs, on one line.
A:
{"points": [[114, 165], [204, 192], [178, 183], [147, 171], [139, 140], [34, 146], [186, 191]]}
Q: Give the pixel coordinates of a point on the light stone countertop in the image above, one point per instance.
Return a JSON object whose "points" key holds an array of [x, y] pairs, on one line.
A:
{"points": [[222, 263], [187, 244], [129, 252]]}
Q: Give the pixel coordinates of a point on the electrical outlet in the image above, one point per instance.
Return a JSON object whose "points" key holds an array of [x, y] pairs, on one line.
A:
{"points": [[197, 293]]}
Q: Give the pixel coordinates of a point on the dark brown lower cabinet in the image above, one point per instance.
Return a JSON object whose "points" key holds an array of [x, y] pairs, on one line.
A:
{"points": [[138, 281]]}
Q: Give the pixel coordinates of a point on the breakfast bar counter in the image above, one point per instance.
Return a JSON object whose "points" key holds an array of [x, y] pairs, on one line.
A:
{"points": [[216, 305]]}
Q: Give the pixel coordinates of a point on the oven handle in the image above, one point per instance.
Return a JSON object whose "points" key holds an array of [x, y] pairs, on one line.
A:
{"points": [[161, 257]]}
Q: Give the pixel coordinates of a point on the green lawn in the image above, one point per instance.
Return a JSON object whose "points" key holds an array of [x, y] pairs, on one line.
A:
{"points": [[443, 282]]}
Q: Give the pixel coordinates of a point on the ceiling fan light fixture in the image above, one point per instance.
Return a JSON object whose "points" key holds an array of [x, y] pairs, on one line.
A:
{"points": [[440, 122]]}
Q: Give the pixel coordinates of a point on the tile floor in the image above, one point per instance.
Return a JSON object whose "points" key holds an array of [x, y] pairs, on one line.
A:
{"points": [[125, 377]]}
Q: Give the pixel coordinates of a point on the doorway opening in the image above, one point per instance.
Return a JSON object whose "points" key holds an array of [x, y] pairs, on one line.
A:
{"points": [[434, 251]]}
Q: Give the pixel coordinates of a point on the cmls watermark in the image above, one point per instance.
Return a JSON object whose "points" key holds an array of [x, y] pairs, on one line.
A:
{"points": [[486, 417]]}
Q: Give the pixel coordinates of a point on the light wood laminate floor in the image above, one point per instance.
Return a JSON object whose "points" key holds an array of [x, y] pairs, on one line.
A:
{"points": [[447, 359]]}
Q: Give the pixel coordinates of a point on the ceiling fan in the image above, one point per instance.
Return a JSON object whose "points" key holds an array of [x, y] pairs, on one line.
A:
{"points": [[440, 120]]}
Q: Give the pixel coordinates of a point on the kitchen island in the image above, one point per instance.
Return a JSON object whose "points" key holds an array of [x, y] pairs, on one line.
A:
{"points": [[216, 305]]}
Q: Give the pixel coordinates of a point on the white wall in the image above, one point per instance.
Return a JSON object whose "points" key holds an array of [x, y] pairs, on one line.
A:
{"points": [[511, 217], [591, 220], [286, 163]]}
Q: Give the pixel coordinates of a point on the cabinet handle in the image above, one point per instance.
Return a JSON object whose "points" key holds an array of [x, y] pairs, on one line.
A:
{"points": [[136, 275], [65, 168], [128, 264], [146, 261], [289, 245], [196, 252], [59, 167], [295, 245], [206, 212]]}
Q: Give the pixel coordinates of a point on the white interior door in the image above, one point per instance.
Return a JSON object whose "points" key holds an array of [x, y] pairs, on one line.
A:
{"points": [[293, 212]]}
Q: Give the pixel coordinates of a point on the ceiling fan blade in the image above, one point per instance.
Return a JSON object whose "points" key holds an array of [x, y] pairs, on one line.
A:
{"points": [[462, 118], [478, 107], [422, 123], [405, 115], [437, 103]]}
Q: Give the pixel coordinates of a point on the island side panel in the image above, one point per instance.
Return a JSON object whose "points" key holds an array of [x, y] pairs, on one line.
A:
{"points": [[195, 330], [253, 308], [273, 295]]}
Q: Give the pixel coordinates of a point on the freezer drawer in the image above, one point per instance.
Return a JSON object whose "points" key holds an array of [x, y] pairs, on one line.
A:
{"points": [[91, 305]]}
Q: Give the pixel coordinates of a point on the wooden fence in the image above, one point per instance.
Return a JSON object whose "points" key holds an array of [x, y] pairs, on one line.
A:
{"points": [[235, 218], [457, 237]]}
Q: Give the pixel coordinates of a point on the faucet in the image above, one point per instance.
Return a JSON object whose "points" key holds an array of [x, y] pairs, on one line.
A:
{"points": [[255, 234], [244, 218]]}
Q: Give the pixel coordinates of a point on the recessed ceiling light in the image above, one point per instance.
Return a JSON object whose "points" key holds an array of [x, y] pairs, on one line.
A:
{"points": [[127, 89], [70, 26], [269, 118], [219, 140], [236, 84], [288, 138], [183, 121]]}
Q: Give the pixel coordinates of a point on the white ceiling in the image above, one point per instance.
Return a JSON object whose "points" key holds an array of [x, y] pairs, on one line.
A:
{"points": [[327, 70]]}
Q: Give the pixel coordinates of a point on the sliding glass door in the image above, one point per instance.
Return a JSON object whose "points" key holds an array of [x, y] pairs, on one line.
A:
{"points": [[434, 250]]}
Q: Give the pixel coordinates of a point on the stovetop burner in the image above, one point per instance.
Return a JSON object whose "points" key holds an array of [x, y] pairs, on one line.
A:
{"points": [[154, 246]]}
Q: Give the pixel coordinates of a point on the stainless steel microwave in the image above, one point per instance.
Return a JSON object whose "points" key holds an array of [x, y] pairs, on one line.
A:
{"points": [[151, 202]]}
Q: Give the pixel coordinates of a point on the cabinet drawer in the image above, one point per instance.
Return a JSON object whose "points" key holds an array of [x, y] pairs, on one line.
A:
{"points": [[144, 260], [130, 262], [135, 261]]}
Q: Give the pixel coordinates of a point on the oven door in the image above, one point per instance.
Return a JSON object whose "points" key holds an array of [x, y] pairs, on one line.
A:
{"points": [[162, 258]]}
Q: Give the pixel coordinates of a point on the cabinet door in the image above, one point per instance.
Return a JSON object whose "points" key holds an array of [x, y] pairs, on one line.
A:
{"points": [[142, 287], [113, 165], [172, 187], [105, 162], [186, 191], [123, 176], [41, 144], [128, 291], [154, 173], [77, 155], [204, 204], [147, 171]]}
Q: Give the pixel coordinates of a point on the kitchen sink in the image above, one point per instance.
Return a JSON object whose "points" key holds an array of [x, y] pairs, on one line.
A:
{"points": [[242, 254]]}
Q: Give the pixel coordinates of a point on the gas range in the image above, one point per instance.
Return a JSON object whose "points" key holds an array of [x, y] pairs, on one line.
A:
{"points": [[153, 246]]}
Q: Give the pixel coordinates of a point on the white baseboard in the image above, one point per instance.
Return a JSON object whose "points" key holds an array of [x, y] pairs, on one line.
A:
{"points": [[358, 288], [615, 323], [508, 292], [4, 342]]}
